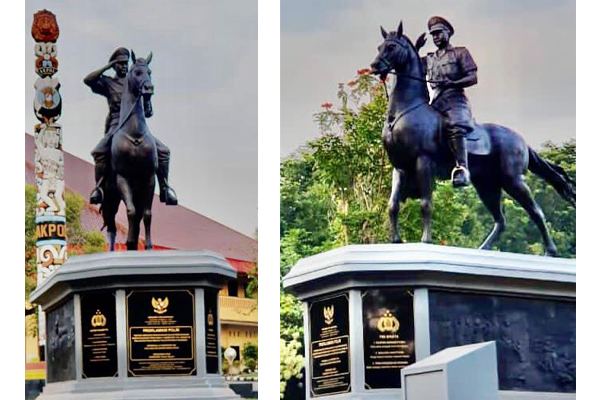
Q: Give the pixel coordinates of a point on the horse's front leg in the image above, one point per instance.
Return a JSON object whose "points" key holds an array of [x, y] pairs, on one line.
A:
{"points": [[148, 214], [424, 176], [394, 205], [127, 197]]}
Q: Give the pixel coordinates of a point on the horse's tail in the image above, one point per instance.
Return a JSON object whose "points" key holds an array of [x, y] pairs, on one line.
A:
{"points": [[554, 175]]}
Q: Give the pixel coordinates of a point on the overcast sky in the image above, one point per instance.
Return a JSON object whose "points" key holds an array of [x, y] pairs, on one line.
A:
{"points": [[525, 51], [205, 103]]}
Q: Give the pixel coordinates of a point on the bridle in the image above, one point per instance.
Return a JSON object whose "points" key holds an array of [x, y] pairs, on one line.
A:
{"points": [[391, 68], [391, 71], [133, 140]]}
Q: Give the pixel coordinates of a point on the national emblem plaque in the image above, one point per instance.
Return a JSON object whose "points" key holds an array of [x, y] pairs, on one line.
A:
{"points": [[160, 332], [329, 346]]}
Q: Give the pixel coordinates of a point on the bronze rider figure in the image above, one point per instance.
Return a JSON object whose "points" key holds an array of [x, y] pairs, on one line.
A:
{"points": [[112, 89], [451, 70]]}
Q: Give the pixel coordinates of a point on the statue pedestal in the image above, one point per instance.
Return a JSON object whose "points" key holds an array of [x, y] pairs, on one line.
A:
{"points": [[135, 325], [371, 310]]}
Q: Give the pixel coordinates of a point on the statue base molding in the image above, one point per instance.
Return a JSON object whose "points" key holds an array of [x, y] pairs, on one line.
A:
{"points": [[135, 325], [371, 310]]}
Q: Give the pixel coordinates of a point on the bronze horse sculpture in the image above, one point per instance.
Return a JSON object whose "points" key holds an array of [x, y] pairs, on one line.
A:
{"points": [[134, 159], [499, 158]]}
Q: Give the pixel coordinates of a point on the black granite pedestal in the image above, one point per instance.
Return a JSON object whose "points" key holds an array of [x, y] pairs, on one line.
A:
{"points": [[372, 310], [135, 325]]}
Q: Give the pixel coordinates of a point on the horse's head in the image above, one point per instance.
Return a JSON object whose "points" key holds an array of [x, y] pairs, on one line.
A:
{"points": [[139, 81], [393, 52]]}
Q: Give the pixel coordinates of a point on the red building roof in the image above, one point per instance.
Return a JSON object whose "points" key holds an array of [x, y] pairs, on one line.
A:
{"points": [[173, 227]]}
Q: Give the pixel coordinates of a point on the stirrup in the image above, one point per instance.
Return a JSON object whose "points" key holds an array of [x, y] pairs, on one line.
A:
{"points": [[94, 199], [168, 196], [467, 180]]}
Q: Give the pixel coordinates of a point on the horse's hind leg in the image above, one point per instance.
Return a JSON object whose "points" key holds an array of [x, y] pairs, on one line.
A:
{"points": [[127, 197], [148, 216], [491, 196], [111, 229], [394, 206], [424, 174], [518, 189]]}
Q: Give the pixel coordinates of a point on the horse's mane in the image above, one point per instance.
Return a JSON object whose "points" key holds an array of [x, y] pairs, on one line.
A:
{"points": [[394, 34]]}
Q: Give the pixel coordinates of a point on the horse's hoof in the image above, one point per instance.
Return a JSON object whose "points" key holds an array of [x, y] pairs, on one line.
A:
{"points": [[395, 238], [551, 253], [168, 196]]}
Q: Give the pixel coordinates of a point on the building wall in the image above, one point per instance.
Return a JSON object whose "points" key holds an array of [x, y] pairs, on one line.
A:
{"points": [[239, 316]]}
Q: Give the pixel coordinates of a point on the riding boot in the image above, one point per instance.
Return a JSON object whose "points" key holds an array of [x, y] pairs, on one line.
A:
{"points": [[97, 194], [460, 174], [167, 194]]}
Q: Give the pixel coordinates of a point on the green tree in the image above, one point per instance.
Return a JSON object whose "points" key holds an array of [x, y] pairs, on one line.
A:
{"points": [[250, 356]]}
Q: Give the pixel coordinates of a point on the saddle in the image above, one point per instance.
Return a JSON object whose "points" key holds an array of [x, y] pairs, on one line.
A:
{"points": [[478, 141]]}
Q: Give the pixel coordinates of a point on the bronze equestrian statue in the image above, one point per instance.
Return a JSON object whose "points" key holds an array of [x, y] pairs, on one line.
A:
{"points": [[426, 141], [112, 89], [135, 155]]}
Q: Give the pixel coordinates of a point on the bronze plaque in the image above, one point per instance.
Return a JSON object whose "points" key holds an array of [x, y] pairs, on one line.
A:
{"points": [[99, 335], [329, 346], [211, 331], [388, 336], [160, 332], [535, 338]]}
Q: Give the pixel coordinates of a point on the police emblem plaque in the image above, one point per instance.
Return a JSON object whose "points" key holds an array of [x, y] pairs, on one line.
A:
{"points": [[99, 335], [211, 331], [389, 336]]}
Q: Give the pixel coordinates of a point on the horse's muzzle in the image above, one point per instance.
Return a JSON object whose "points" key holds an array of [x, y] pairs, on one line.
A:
{"points": [[147, 89], [380, 68]]}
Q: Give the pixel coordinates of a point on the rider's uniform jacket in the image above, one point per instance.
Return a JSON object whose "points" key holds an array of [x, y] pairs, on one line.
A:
{"points": [[451, 64], [112, 89]]}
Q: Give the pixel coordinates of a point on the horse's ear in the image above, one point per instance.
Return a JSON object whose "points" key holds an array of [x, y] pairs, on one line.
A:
{"points": [[383, 32], [399, 30], [133, 59], [149, 58]]}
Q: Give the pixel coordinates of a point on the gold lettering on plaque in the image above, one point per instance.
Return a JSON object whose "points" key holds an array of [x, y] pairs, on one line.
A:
{"points": [[210, 319], [388, 323], [160, 305], [328, 314], [98, 320]]}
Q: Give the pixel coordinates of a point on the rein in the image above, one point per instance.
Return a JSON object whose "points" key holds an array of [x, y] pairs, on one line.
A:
{"points": [[403, 113], [133, 140]]}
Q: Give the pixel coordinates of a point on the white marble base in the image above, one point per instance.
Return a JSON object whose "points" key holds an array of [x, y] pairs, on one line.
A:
{"points": [[192, 388]]}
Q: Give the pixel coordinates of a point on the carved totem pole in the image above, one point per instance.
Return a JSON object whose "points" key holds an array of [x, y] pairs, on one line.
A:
{"points": [[50, 218]]}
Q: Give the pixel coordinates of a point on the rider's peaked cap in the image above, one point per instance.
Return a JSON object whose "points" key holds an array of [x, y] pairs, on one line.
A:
{"points": [[436, 23], [120, 54]]}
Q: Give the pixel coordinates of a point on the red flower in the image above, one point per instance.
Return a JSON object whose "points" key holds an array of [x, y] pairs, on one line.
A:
{"points": [[363, 71], [327, 106]]}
